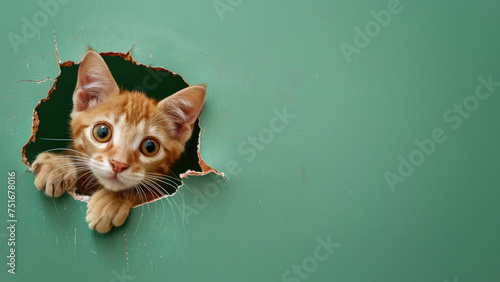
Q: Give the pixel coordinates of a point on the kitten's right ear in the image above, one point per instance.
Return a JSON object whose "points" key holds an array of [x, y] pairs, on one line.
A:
{"points": [[95, 82]]}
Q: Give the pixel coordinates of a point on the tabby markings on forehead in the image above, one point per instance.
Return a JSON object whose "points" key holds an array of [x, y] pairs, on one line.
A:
{"points": [[118, 130], [140, 133]]}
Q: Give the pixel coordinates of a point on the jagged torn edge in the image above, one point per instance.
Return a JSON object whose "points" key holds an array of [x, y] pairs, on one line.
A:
{"points": [[205, 168]]}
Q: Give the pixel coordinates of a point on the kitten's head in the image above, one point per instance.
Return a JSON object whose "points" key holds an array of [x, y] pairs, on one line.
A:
{"points": [[125, 136]]}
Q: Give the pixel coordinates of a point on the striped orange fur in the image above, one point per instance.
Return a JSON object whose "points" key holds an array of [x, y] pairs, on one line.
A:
{"points": [[124, 143]]}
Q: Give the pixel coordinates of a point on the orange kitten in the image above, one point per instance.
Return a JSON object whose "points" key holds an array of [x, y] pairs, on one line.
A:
{"points": [[123, 143]]}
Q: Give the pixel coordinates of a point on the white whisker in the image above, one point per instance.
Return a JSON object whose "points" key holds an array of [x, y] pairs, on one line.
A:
{"points": [[52, 139]]}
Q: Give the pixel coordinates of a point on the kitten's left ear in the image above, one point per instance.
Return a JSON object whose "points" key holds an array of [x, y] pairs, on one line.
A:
{"points": [[95, 82], [183, 108]]}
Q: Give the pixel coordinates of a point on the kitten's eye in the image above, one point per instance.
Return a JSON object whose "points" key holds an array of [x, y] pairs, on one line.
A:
{"points": [[150, 147], [102, 132]]}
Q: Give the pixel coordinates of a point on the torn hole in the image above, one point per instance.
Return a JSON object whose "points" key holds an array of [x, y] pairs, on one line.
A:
{"points": [[51, 129]]}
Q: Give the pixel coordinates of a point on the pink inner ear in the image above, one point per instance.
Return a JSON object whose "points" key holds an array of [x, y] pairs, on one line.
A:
{"points": [[184, 114], [183, 129], [183, 109], [184, 119], [191, 115], [94, 83], [82, 100]]}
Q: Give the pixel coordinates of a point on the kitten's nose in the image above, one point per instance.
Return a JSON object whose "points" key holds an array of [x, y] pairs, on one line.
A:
{"points": [[118, 166]]}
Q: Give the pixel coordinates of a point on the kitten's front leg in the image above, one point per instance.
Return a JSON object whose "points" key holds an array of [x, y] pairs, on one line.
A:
{"points": [[107, 209], [54, 174]]}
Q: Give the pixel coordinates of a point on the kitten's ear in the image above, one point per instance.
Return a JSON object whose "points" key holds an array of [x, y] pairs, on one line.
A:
{"points": [[183, 108], [95, 82]]}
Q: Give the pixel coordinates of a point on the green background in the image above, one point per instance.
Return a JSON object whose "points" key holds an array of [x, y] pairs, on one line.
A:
{"points": [[320, 178]]}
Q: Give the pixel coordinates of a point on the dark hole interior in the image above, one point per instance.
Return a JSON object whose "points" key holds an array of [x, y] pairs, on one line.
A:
{"points": [[54, 114]]}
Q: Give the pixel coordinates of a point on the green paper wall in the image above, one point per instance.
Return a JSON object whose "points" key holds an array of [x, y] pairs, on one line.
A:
{"points": [[360, 140]]}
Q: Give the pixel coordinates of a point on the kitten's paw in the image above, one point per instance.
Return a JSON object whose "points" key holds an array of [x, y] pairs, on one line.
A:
{"points": [[54, 174], [107, 209]]}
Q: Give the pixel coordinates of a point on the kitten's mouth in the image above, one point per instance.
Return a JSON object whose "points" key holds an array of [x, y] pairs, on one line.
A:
{"points": [[115, 178], [113, 182]]}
